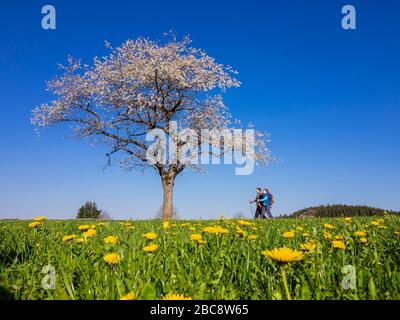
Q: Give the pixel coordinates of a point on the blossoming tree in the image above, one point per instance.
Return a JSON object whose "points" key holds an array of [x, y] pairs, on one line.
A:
{"points": [[141, 86]]}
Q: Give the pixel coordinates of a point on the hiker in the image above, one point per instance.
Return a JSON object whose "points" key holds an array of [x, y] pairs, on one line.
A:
{"points": [[257, 201], [266, 200]]}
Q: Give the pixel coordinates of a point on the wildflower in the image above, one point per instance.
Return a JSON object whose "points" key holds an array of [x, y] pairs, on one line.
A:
{"points": [[339, 237], [89, 233], [150, 248], [34, 224], [397, 232], [174, 296], [196, 237], [192, 229], [185, 224], [252, 237], [329, 226], [126, 224], [112, 258], [129, 296], [93, 226], [165, 225], [244, 223], [288, 234], [306, 234], [240, 232], [102, 224], [216, 230], [80, 240], [84, 227], [327, 235], [69, 237], [360, 233], [299, 228], [308, 246], [41, 218], [150, 235], [378, 222], [201, 242], [338, 244], [364, 240], [283, 255], [111, 240], [347, 219]]}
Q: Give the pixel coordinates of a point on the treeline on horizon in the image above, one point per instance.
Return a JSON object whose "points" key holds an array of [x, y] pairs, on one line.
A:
{"points": [[339, 210]]}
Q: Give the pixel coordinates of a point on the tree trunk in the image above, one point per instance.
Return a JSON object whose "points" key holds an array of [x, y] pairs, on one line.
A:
{"points": [[168, 180]]}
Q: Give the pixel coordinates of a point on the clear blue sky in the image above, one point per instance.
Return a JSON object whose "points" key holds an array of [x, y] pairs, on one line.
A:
{"points": [[330, 99]]}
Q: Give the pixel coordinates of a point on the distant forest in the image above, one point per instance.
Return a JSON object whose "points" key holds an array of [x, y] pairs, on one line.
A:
{"points": [[339, 210]]}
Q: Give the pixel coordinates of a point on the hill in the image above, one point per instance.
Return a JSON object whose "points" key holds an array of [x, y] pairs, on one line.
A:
{"points": [[339, 210]]}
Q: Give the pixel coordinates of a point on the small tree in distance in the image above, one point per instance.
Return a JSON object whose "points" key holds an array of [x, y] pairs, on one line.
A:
{"points": [[89, 211]]}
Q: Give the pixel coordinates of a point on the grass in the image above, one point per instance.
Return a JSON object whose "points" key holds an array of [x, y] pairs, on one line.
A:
{"points": [[227, 266]]}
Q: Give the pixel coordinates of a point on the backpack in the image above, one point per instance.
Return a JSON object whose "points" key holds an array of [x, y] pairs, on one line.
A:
{"points": [[271, 199]]}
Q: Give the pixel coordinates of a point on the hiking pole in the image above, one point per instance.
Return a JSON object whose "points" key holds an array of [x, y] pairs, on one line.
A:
{"points": [[251, 209]]}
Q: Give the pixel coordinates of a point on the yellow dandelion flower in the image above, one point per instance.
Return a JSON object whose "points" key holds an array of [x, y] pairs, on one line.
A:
{"points": [[34, 224], [93, 226], [283, 255], [364, 240], [192, 229], [329, 226], [240, 232], [196, 237], [174, 296], [338, 244], [129, 296], [360, 233], [69, 237], [41, 218], [150, 248], [252, 237], [111, 240], [165, 224], [288, 234], [378, 222], [244, 223], [327, 235], [201, 242], [347, 219], [308, 246], [339, 237], [306, 234], [216, 230], [185, 224], [112, 258], [90, 233], [80, 240], [84, 227], [150, 235]]}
